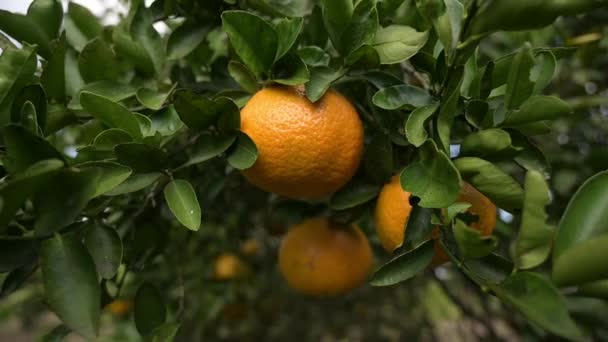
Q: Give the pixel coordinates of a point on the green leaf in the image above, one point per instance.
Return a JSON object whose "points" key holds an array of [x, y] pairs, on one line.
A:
{"points": [[109, 138], [491, 269], [58, 334], [150, 312], [290, 70], [111, 113], [448, 109], [26, 183], [537, 299], [397, 43], [485, 143], [153, 99], [35, 95], [105, 246], [580, 245], [196, 111], [378, 158], [321, 79], [352, 195], [519, 84], [23, 149], [365, 57], [16, 69], [135, 182], [361, 28], [418, 227], [288, 30], [336, 17], [182, 201], [208, 146], [166, 121], [185, 39], [25, 30], [64, 198], [163, 333], [486, 177], [414, 126], [53, 74], [456, 209], [533, 244], [81, 26], [402, 96], [70, 283], [112, 175], [254, 40], [596, 289], [141, 157], [144, 33], [243, 154], [29, 118], [97, 62], [449, 24], [404, 266], [314, 56], [16, 253], [243, 76], [134, 51], [110, 90], [471, 244], [433, 178], [48, 14], [544, 70], [538, 108]]}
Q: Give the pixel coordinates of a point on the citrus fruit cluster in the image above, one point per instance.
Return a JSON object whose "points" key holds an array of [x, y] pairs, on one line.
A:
{"points": [[310, 150]]}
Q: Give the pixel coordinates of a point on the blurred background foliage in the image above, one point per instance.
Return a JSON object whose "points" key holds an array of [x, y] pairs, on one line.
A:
{"points": [[246, 299]]}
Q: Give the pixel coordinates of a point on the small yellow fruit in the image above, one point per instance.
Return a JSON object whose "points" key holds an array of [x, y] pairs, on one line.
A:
{"points": [[229, 266]]}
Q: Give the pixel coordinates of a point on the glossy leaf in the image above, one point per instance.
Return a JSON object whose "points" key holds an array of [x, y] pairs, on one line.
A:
{"points": [[433, 178], [27, 31], [352, 195], [535, 238], [16, 69], [290, 70], [105, 246], [414, 126], [537, 299], [24, 149], [64, 198], [314, 56], [538, 108], [196, 111], [97, 62], [106, 140], [111, 113], [185, 39], [113, 91], [485, 143], [245, 78], [288, 30], [182, 201], [208, 146], [254, 40], [404, 266], [35, 94], [580, 245], [519, 83], [471, 244], [402, 96], [361, 28], [144, 33], [48, 14], [321, 79], [53, 75], [81, 26], [486, 177], [135, 182], [243, 154], [397, 43], [112, 175], [152, 99], [70, 283], [336, 16], [418, 227], [150, 312]]}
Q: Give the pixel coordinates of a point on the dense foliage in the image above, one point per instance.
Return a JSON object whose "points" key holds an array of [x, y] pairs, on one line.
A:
{"points": [[121, 151]]}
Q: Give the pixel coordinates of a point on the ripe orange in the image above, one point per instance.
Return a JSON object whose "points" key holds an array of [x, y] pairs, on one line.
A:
{"points": [[323, 258], [229, 266], [305, 150], [120, 307], [393, 209], [250, 247]]}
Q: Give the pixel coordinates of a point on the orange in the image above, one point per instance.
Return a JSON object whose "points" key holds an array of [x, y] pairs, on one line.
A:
{"points": [[120, 307], [393, 209], [305, 150], [229, 266], [250, 247], [322, 258]]}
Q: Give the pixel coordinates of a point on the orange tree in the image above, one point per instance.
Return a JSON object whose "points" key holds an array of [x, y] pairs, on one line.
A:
{"points": [[122, 149]]}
